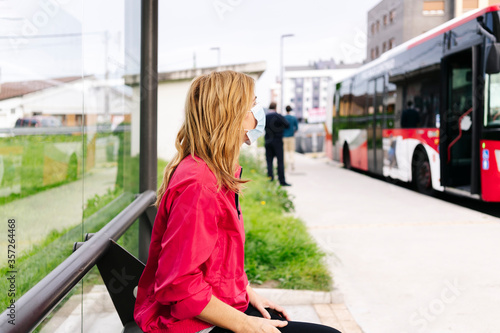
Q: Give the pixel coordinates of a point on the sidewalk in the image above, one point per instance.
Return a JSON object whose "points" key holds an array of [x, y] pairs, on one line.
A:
{"points": [[404, 262]]}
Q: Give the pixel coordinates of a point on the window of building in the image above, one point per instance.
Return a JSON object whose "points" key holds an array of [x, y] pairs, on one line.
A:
{"points": [[373, 28], [384, 47], [392, 15], [377, 25], [372, 54], [376, 52], [385, 20], [471, 4], [435, 8], [392, 43]]}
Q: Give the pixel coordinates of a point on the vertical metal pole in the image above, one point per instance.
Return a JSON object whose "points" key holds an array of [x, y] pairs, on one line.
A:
{"points": [[281, 108], [218, 54], [149, 116], [282, 83]]}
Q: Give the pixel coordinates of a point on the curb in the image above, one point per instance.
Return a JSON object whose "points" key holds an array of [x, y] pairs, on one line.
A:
{"points": [[301, 297]]}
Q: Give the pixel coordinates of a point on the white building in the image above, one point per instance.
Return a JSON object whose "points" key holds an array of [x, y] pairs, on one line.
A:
{"points": [[172, 91], [63, 98], [306, 88]]}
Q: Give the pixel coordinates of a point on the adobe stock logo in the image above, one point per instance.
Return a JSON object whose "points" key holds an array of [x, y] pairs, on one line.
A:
{"points": [[40, 18], [355, 48], [223, 6], [426, 315]]}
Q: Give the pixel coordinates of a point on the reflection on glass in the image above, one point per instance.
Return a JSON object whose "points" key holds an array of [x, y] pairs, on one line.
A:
{"points": [[41, 151], [68, 160]]}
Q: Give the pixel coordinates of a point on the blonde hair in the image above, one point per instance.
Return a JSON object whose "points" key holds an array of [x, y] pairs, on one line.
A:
{"points": [[216, 106]]}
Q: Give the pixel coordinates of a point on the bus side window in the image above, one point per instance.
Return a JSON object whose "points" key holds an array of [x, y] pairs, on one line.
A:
{"points": [[492, 100], [390, 105], [345, 103], [421, 104]]}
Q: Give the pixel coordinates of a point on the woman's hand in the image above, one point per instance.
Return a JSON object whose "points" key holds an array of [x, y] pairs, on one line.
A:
{"points": [[261, 325], [261, 303]]}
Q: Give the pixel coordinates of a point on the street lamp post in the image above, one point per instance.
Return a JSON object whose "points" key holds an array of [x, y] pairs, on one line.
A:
{"points": [[218, 54], [282, 70]]}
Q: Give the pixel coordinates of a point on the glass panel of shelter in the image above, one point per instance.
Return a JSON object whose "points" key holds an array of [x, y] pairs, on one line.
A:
{"points": [[41, 150], [67, 160]]}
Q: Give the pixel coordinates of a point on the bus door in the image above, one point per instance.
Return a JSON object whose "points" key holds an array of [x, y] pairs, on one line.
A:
{"points": [[375, 119], [456, 125]]}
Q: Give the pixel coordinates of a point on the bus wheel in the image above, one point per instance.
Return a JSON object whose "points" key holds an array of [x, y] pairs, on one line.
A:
{"points": [[346, 156], [421, 172]]}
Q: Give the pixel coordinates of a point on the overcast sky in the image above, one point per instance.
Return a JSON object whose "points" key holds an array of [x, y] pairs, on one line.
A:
{"points": [[244, 30], [250, 31]]}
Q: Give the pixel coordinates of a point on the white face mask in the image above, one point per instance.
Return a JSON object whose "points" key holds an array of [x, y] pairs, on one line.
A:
{"points": [[259, 115]]}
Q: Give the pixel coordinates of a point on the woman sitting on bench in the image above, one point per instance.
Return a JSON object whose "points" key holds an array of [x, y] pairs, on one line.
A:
{"points": [[194, 280]]}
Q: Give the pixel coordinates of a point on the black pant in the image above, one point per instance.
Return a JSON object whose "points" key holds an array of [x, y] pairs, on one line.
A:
{"points": [[275, 149], [292, 327]]}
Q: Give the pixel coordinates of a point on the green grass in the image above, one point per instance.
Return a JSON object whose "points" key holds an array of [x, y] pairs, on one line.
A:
{"points": [[278, 246], [42, 258], [29, 172]]}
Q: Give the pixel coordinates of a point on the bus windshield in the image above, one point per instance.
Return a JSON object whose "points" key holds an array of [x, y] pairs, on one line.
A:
{"points": [[492, 100]]}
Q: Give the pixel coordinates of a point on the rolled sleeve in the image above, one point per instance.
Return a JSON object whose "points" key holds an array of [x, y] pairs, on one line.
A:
{"points": [[193, 305], [188, 242]]}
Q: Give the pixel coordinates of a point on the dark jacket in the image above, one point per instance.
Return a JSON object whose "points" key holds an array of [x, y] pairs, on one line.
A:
{"points": [[410, 118], [275, 125]]}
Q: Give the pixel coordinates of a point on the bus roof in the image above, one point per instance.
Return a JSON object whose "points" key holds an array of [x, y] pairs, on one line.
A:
{"points": [[470, 15], [451, 24]]}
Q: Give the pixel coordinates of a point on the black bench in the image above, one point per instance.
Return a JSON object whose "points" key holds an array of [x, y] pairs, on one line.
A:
{"points": [[121, 272]]}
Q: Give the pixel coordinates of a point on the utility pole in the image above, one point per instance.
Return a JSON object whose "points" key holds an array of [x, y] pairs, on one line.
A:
{"points": [[218, 54], [106, 76], [282, 68]]}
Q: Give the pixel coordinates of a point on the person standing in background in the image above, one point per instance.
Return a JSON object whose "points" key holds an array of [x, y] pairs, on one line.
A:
{"points": [[275, 125], [410, 117], [289, 138]]}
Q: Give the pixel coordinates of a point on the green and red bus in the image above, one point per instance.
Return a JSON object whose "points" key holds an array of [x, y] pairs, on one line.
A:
{"points": [[428, 111]]}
